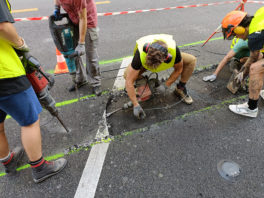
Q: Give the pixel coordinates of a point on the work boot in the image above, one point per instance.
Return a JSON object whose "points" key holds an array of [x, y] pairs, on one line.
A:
{"points": [[181, 92], [11, 164], [47, 169], [73, 86], [97, 90]]}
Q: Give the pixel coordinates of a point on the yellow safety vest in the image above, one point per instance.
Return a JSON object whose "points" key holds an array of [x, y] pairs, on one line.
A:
{"points": [[168, 39], [10, 64], [257, 23], [234, 41]]}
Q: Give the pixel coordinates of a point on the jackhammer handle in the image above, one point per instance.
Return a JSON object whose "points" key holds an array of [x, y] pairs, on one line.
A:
{"points": [[73, 55]]}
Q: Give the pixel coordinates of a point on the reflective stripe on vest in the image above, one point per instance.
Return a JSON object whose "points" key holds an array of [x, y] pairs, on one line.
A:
{"points": [[10, 64], [168, 39], [257, 23], [8, 5], [234, 41]]}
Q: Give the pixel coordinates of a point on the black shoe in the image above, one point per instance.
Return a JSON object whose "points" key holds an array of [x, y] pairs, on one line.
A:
{"points": [[11, 167], [97, 90], [48, 169], [73, 86]]}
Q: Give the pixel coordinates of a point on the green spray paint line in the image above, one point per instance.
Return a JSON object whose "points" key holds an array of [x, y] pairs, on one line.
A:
{"points": [[103, 62], [136, 131]]}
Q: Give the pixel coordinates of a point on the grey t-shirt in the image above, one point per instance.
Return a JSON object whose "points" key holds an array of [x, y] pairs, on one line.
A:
{"points": [[5, 15]]}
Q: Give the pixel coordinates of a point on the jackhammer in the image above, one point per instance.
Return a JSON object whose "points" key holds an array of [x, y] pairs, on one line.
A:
{"points": [[41, 83]]}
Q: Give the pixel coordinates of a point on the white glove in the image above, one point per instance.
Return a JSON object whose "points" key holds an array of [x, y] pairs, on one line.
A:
{"points": [[162, 88], [239, 77], [210, 78], [80, 49]]}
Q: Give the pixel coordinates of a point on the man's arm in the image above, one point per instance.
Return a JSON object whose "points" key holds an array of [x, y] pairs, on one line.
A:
{"points": [[82, 25], [254, 55], [175, 74], [9, 33], [224, 61], [131, 77]]}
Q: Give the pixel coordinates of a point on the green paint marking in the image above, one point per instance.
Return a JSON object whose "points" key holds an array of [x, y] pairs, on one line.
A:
{"points": [[103, 62], [136, 131]]}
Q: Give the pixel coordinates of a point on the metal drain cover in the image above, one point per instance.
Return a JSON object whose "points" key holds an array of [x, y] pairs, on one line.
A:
{"points": [[229, 170]]}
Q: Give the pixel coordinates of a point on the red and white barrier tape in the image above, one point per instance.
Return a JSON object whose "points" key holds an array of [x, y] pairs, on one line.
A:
{"points": [[140, 11]]}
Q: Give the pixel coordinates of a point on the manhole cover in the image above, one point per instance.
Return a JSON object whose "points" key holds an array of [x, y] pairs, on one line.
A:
{"points": [[229, 170]]}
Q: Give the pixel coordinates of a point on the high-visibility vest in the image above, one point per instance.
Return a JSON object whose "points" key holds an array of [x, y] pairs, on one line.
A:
{"points": [[234, 41], [168, 39], [257, 23], [10, 64]]}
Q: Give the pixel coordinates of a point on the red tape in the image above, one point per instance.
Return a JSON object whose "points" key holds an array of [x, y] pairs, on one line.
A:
{"points": [[140, 11]]}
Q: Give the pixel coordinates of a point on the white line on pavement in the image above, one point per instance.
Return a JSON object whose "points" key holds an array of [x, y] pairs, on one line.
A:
{"points": [[92, 171]]}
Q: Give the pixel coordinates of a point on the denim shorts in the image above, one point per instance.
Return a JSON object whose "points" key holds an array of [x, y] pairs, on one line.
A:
{"points": [[24, 107]]}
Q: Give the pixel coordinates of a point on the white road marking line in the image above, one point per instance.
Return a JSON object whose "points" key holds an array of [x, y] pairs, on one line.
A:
{"points": [[92, 171]]}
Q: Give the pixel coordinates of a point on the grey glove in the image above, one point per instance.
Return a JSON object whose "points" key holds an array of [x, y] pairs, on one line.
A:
{"points": [[23, 48], [138, 112], [162, 88], [80, 49], [210, 78]]}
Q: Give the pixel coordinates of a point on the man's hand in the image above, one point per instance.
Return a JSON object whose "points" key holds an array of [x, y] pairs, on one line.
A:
{"points": [[56, 13], [162, 88], [138, 112], [210, 78], [23, 47], [80, 49], [239, 77]]}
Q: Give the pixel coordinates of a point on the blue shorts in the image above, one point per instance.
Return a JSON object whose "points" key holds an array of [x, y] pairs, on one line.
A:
{"points": [[24, 107]]}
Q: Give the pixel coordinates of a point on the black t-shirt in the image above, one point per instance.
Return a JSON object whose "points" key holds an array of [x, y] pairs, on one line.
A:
{"points": [[137, 65], [11, 85], [256, 41]]}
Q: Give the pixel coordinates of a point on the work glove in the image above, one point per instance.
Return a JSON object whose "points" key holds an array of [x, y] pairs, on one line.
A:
{"points": [[22, 48], [162, 88], [56, 13], [239, 77], [80, 49], [210, 78], [138, 112]]}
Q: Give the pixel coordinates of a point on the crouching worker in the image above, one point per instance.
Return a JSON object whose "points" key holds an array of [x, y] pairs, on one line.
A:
{"points": [[18, 99], [156, 53]]}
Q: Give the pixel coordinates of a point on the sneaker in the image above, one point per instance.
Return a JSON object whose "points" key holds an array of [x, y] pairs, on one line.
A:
{"points": [[11, 167], [97, 90], [242, 109], [182, 94], [73, 86], [262, 94], [49, 169]]}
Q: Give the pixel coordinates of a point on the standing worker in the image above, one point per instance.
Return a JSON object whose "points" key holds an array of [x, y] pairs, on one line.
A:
{"points": [[243, 26], [83, 13], [156, 53], [18, 99]]}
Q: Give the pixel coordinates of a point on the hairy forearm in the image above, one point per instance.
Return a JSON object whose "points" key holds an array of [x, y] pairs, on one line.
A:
{"points": [[173, 77], [8, 32], [252, 58], [131, 92], [82, 25]]}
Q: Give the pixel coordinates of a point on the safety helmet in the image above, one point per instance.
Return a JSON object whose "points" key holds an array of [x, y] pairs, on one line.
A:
{"points": [[230, 22]]}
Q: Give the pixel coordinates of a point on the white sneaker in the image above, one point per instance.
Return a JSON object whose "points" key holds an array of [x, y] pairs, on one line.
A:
{"points": [[262, 94], [242, 109]]}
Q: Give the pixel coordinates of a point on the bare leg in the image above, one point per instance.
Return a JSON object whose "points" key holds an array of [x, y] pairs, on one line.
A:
{"points": [[189, 62], [256, 79], [4, 149], [31, 139]]}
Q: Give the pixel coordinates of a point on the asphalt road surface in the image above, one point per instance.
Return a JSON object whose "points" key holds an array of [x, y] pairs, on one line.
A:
{"points": [[174, 152]]}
